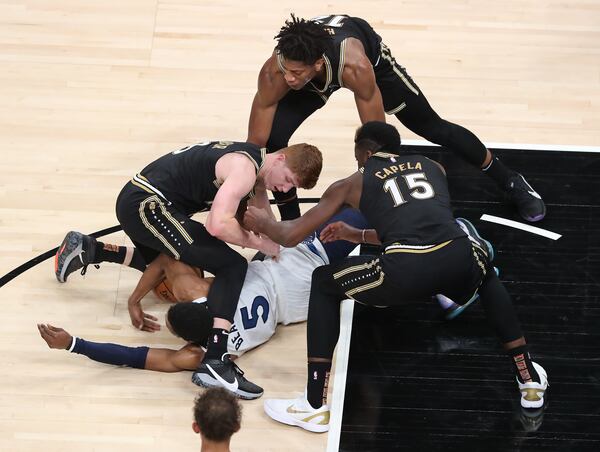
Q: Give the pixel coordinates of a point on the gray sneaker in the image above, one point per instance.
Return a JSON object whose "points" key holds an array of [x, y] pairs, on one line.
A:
{"points": [[76, 251]]}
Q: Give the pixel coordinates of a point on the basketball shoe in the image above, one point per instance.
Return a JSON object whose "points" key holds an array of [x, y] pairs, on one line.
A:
{"points": [[298, 412], [76, 251], [474, 236], [224, 373], [532, 394], [528, 202]]}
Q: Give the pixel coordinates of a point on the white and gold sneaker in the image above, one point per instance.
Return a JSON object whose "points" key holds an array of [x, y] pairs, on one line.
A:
{"points": [[532, 394], [298, 412]]}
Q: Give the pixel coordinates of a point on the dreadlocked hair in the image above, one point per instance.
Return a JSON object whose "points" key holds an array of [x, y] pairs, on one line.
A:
{"points": [[302, 40]]}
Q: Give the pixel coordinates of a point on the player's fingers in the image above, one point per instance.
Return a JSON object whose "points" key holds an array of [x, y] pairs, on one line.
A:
{"points": [[55, 329], [149, 316]]}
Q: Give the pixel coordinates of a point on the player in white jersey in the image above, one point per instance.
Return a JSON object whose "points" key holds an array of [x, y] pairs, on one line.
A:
{"points": [[273, 292]]}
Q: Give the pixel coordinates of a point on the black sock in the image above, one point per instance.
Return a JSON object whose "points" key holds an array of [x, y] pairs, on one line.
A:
{"points": [[217, 343], [107, 252], [523, 366], [137, 261], [499, 172], [317, 383]]}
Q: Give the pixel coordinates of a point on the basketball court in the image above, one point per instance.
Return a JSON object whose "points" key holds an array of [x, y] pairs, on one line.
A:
{"points": [[90, 92]]}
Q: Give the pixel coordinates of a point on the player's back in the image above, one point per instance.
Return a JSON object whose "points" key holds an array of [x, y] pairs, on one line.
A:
{"points": [[186, 177], [405, 198]]}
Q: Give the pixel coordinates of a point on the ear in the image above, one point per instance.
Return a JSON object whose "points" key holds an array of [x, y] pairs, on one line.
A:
{"points": [[319, 64], [195, 427], [281, 157]]}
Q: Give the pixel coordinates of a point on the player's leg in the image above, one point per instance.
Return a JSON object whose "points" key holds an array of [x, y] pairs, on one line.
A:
{"points": [[330, 285], [292, 110], [78, 250], [403, 98], [531, 377]]}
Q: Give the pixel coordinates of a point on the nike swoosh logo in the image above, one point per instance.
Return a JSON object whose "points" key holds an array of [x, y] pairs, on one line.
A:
{"points": [[534, 194], [229, 386]]}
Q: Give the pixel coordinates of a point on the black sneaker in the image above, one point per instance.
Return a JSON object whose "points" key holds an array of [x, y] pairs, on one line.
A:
{"points": [[76, 251], [528, 202], [225, 374]]}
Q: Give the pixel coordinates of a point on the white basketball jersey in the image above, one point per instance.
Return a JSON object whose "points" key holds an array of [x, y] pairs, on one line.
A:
{"points": [[274, 292]]}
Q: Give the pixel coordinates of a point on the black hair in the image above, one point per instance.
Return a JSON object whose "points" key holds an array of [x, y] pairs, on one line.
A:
{"points": [[302, 40], [377, 135], [218, 414], [191, 321]]}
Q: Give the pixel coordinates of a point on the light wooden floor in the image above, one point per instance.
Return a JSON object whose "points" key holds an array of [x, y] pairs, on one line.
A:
{"points": [[92, 91]]}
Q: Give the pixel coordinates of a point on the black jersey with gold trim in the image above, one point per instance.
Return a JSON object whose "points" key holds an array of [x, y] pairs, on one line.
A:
{"points": [[186, 177], [341, 27], [405, 199]]}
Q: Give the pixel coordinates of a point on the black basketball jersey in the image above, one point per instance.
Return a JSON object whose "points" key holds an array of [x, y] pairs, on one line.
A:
{"points": [[186, 177], [405, 199], [341, 27]]}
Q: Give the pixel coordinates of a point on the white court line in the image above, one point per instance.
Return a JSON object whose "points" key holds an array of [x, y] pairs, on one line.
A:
{"points": [[341, 369], [339, 383], [526, 147], [522, 226]]}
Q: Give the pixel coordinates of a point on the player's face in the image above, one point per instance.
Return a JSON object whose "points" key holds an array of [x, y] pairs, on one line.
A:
{"points": [[297, 74], [281, 178]]}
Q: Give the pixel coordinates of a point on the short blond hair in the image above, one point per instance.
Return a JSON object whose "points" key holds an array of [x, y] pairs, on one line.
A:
{"points": [[305, 161]]}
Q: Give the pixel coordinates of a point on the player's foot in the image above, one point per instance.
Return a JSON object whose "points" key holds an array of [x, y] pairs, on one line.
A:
{"points": [[76, 251], [457, 309], [472, 232], [298, 412], [532, 394], [224, 373], [528, 202]]}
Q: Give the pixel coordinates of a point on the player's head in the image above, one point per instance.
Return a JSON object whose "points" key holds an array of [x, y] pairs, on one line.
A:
{"points": [[298, 165], [217, 415], [190, 321], [301, 43], [374, 136]]}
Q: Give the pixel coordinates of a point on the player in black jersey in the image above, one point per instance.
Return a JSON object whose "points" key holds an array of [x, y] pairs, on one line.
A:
{"points": [[404, 197], [154, 209], [314, 58]]}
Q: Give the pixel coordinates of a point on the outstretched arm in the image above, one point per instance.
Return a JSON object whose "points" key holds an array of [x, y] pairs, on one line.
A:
{"points": [[158, 359], [290, 233]]}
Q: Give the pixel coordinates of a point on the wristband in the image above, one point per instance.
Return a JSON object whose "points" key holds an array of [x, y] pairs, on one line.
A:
{"points": [[72, 346], [363, 236]]}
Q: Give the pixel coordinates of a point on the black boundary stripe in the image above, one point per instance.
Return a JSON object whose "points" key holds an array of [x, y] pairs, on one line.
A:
{"points": [[48, 254]]}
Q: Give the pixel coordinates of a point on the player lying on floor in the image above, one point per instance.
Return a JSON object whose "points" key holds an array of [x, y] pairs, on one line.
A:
{"points": [[273, 292]]}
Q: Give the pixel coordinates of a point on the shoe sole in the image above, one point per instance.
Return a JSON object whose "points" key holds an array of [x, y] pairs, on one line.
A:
{"points": [[289, 420], [474, 233], [69, 249], [458, 311], [206, 381]]}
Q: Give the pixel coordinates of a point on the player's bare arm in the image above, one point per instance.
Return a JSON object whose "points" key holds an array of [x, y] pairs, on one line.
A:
{"points": [[153, 274], [290, 233], [261, 200], [271, 88], [359, 77], [343, 231], [239, 177]]}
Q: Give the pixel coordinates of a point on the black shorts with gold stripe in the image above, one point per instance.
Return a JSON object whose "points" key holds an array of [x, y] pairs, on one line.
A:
{"points": [[454, 268], [155, 226]]}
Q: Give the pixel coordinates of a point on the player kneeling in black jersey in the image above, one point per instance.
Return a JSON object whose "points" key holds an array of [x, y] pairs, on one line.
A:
{"points": [[405, 199], [155, 207], [314, 58]]}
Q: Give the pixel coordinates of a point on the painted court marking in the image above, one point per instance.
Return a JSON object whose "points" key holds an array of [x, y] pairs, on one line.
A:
{"points": [[522, 226]]}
